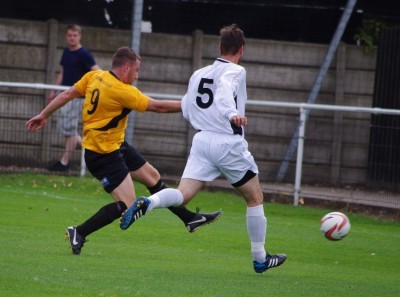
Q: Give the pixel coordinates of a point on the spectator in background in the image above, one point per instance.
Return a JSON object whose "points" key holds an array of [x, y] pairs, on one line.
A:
{"points": [[75, 62]]}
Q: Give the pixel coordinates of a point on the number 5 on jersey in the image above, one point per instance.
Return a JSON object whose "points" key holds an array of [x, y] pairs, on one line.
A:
{"points": [[203, 90]]}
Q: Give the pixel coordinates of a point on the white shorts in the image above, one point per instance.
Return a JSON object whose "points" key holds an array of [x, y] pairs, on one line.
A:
{"points": [[214, 153]]}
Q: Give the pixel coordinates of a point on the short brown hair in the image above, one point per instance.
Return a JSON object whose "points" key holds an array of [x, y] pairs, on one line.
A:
{"points": [[123, 55], [231, 39]]}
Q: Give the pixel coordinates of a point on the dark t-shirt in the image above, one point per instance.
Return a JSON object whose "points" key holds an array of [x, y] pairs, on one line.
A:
{"points": [[75, 64]]}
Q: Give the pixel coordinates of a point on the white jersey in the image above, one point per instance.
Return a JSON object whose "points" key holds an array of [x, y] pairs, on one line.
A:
{"points": [[215, 94]]}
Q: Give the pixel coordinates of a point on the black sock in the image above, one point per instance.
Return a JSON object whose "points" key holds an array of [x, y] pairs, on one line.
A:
{"points": [[157, 188], [106, 215], [181, 212]]}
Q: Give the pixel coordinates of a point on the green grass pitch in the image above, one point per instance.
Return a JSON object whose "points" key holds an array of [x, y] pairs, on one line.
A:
{"points": [[157, 256]]}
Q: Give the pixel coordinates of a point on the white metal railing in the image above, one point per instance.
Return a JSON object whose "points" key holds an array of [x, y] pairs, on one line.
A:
{"points": [[303, 108], [32, 86]]}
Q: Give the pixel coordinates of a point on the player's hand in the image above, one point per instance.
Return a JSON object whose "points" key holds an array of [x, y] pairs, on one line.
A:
{"points": [[239, 120], [36, 123]]}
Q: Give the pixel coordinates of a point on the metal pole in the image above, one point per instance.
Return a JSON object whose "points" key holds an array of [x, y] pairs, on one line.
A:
{"points": [[136, 29], [300, 150], [317, 84], [83, 163]]}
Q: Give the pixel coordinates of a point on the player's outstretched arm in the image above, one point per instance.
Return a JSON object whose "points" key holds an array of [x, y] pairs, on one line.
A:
{"points": [[39, 121], [164, 105]]}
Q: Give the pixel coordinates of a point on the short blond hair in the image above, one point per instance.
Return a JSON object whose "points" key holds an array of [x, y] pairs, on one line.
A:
{"points": [[74, 27]]}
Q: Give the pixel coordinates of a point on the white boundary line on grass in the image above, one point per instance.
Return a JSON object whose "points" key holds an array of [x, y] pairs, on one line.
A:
{"points": [[45, 195]]}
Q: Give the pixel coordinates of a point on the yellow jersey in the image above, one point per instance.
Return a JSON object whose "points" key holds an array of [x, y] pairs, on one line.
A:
{"points": [[107, 104]]}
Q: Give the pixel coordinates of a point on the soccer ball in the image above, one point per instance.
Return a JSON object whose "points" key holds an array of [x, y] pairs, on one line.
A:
{"points": [[335, 225]]}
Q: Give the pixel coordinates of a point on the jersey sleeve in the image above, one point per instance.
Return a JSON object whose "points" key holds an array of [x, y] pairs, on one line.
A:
{"points": [[89, 60], [185, 103], [63, 57], [135, 99], [225, 96], [81, 85]]}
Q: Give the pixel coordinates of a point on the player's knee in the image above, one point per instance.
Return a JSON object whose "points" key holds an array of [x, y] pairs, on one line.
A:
{"points": [[152, 172]]}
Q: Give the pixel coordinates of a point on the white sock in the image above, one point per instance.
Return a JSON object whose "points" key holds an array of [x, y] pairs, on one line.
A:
{"points": [[257, 229], [165, 198]]}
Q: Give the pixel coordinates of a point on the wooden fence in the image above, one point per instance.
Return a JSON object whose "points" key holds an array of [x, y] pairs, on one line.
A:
{"points": [[337, 143]]}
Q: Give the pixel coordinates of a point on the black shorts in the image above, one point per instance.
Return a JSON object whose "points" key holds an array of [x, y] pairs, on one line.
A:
{"points": [[112, 168]]}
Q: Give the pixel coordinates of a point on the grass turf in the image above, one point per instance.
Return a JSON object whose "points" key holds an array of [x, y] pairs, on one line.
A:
{"points": [[158, 257]]}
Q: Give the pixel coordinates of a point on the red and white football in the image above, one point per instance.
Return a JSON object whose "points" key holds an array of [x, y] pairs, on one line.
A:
{"points": [[335, 225]]}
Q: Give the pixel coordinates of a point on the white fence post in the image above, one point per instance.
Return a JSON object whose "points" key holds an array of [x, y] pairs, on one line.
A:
{"points": [[83, 164], [300, 150]]}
